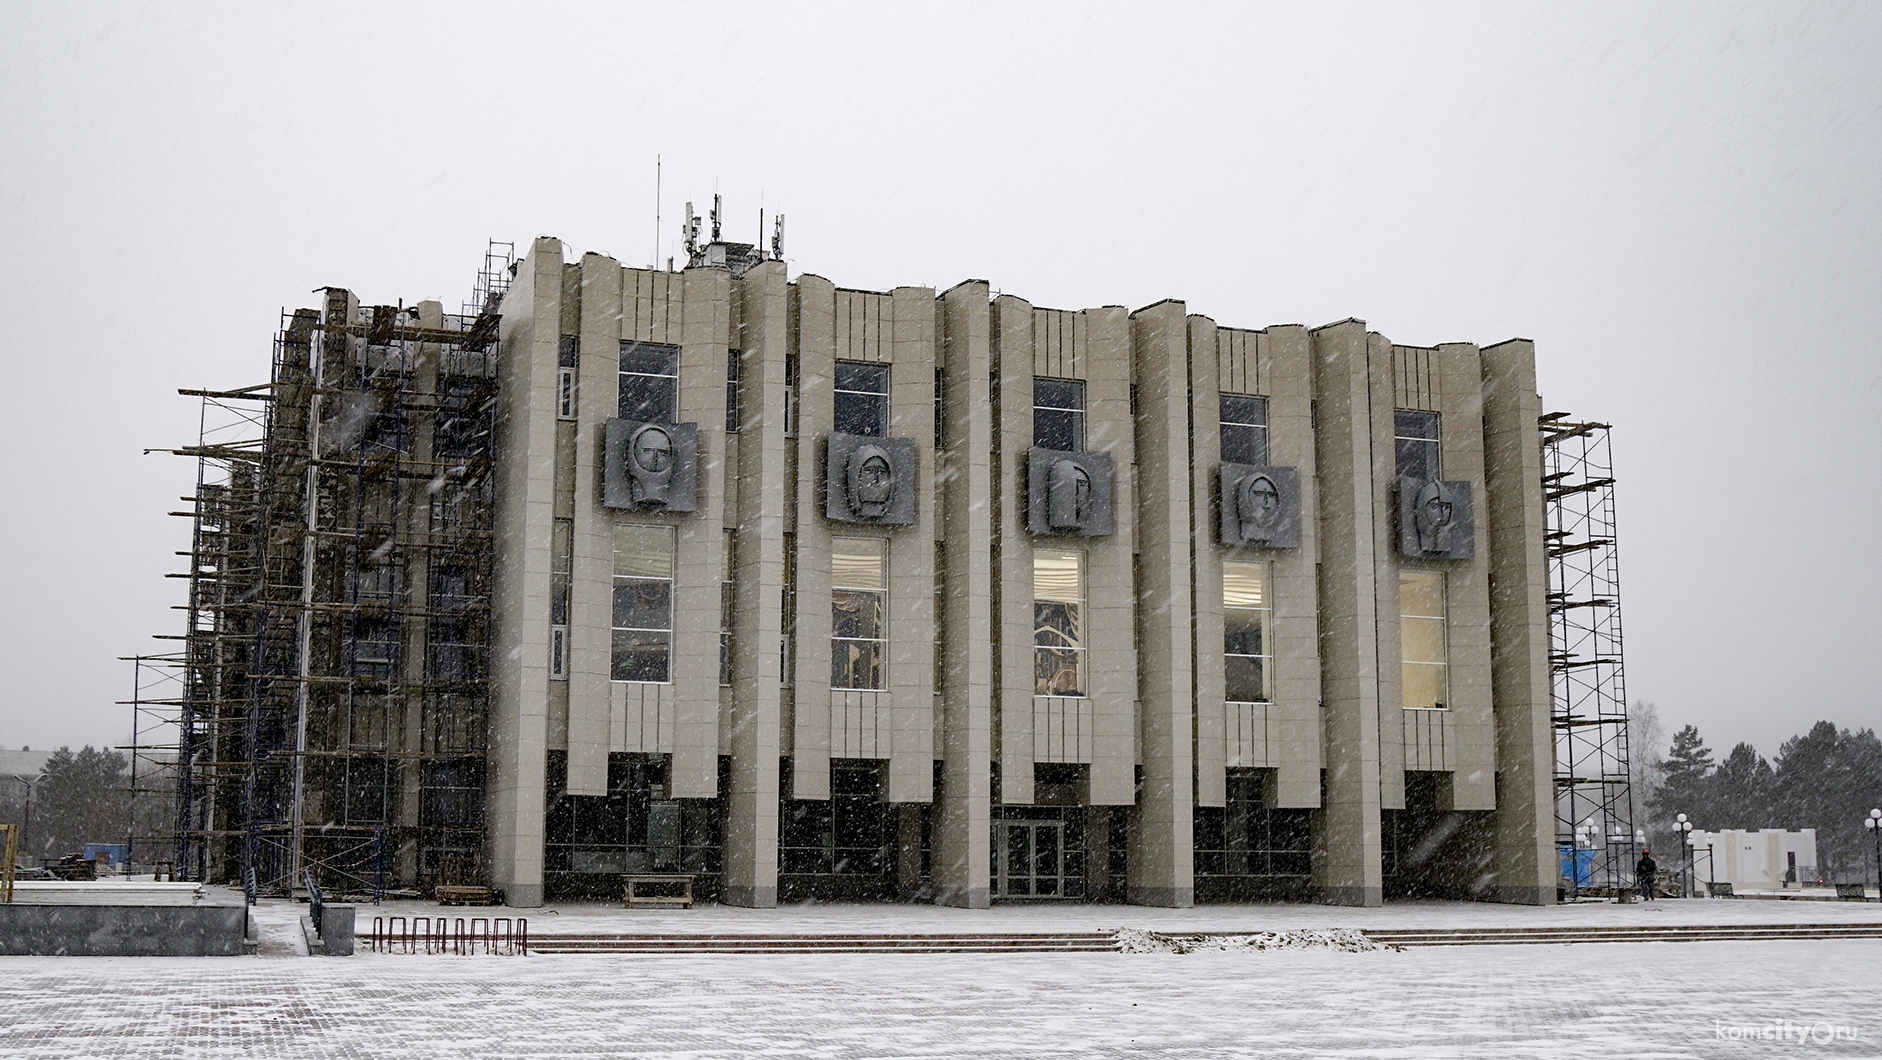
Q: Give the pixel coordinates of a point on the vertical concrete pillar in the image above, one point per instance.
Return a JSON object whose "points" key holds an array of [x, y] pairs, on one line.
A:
{"points": [[816, 415], [416, 516], [1206, 680], [525, 448], [1526, 869], [908, 849], [1098, 884], [1468, 734], [1389, 690], [751, 806], [1110, 580], [910, 748], [1346, 828], [1161, 848], [1285, 368], [961, 829], [1012, 632], [591, 567], [699, 560]]}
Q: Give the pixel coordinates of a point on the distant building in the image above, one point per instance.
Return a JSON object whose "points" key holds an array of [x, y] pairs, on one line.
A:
{"points": [[1754, 858], [22, 765], [818, 592]]}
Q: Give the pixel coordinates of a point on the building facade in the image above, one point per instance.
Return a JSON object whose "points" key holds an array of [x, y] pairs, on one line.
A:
{"points": [[817, 592], [1751, 858]]}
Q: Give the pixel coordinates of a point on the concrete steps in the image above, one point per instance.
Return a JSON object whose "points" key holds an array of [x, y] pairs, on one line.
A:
{"points": [[1013, 942], [1623, 933]]}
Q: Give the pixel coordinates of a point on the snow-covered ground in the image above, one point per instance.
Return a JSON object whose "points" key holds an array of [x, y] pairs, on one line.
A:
{"points": [[1632, 1000], [1579, 1001], [855, 918]]}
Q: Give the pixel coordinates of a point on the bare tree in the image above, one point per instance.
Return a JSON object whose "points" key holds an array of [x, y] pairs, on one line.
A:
{"points": [[1646, 735]]}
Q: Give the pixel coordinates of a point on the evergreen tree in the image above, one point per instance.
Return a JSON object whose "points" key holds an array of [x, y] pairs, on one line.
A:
{"points": [[1685, 785], [79, 798], [1828, 779], [1742, 788]]}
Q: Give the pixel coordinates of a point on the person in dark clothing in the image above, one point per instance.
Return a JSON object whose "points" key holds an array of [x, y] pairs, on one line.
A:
{"points": [[1644, 871]]}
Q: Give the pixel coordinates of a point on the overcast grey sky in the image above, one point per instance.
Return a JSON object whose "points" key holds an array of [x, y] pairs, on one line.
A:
{"points": [[1678, 202]]}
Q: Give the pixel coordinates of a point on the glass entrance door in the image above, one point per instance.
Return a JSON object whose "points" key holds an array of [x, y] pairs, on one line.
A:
{"points": [[1030, 858]]}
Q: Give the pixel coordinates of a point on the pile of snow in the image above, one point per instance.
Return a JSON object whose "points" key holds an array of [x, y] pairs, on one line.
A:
{"points": [[1130, 940]]}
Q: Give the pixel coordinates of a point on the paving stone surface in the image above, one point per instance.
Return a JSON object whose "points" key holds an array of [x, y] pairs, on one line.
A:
{"points": [[1632, 1000]]}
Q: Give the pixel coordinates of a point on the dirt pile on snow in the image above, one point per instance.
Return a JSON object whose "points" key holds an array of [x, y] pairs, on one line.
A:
{"points": [[1130, 940]]}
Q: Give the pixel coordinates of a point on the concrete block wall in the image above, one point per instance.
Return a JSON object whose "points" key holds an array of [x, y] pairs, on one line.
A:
{"points": [[1333, 737]]}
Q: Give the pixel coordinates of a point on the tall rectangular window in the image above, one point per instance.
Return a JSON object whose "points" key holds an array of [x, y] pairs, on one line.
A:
{"points": [[561, 558], [1058, 591], [1247, 654], [650, 382], [728, 603], [859, 612], [566, 362], [1415, 436], [790, 395], [1423, 655], [1244, 430], [643, 603], [862, 398], [940, 611], [787, 644], [940, 408], [731, 391], [1058, 414]]}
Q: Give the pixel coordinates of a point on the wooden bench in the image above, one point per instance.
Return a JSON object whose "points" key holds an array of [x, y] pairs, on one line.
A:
{"points": [[632, 895], [464, 894], [1851, 892], [1719, 889]]}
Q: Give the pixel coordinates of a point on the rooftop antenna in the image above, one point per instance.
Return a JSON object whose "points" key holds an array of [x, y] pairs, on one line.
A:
{"points": [[761, 222], [656, 214], [691, 230], [715, 217], [777, 238]]}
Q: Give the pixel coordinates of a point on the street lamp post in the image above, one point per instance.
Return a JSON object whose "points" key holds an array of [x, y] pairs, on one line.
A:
{"points": [[26, 820], [1873, 823], [1684, 828]]}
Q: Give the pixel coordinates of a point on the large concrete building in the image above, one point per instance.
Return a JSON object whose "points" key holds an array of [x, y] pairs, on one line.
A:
{"points": [[808, 591]]}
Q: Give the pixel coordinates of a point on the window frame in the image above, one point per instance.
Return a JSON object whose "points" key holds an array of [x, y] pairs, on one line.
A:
{"points": [[1224, 425], [855, 397], [628, 379], [1264, 617], [1402, 440], [732, 402], [728, 603], [615, 585], [1051, 656], [790, 395], [1442, 618], [1076, 413], [880, 641], [567, 361]]}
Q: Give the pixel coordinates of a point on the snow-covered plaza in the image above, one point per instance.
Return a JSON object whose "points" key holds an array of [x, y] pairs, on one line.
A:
{"points": [[1708, 999]]}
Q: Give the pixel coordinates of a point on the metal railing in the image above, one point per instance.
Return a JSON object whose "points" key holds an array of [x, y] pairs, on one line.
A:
{"points": [[499, 936]]}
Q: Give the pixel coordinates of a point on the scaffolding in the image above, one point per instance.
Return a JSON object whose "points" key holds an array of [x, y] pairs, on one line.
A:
{"points": [[1594, 819], [326, 709]]}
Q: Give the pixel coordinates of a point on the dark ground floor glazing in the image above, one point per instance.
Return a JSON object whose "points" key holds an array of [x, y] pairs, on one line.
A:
{"points": [[854, 846]]}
